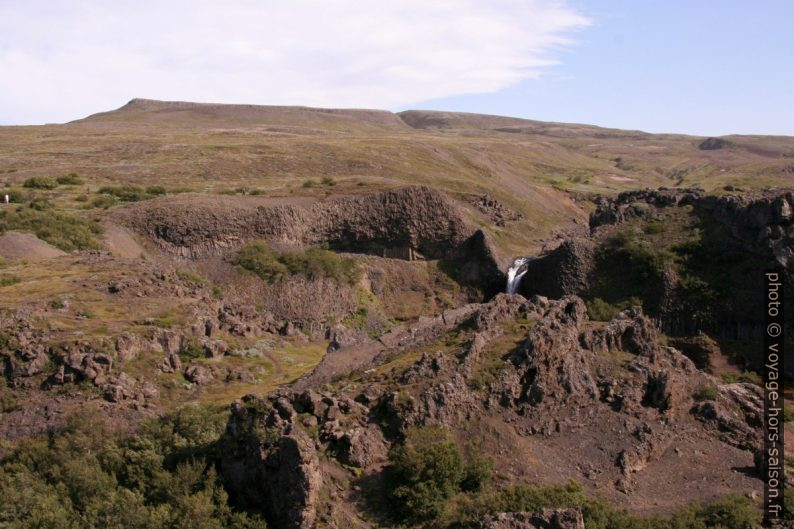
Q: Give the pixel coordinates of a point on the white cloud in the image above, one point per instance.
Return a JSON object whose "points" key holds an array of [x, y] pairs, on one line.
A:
{"points": [[60, 60]]}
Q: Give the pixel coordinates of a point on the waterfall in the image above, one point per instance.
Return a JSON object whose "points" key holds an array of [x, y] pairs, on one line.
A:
{"points": [[515, 273]]}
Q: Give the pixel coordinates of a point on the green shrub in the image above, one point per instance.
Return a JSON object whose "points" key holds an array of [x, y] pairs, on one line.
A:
{"points": [[733, 511], [309, 184], [705, 392], [314, 263], [40, 182], [17, 196], [788, 413], [328, 181], [8, 403], [600, 310], [192, 350], [427, 470], [125, 193], [155, 190], [745, 376], [40, 204], [653, 227], [6, 281], [67, 232], [71, 179], [104, 201], [189, 275], [86, 476], [478, 471]]}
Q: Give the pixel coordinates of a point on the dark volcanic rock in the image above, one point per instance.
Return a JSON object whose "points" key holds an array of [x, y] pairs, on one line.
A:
{"points": [[561, 272], [545, 519], [271, 463], [555, 367], [198, 374], [712, 144]]}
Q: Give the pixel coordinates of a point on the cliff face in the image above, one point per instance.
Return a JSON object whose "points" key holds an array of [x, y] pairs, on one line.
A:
{"points": [[417, 217], [409, 222], [695, 260]]}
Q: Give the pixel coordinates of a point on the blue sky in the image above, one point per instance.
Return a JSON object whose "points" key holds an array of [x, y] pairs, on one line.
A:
{"points": [[697, 66]]}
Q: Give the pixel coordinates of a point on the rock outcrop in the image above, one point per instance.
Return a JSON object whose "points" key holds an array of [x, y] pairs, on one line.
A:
{"points": [[545, 519], [270, 461], [563, 271]]}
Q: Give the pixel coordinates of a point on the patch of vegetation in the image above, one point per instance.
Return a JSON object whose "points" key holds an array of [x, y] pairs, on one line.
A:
{"points": [[67, 232], [167, 318], [705, 392], [314, 263], [8, 403], [40, 182], [467, 510], [155, 191], [104, 201], [71, 179], [191, 351], [308, 184], [788, 413], [600, 310], [427, 470], [748, 377], [86, 476], [186, 274], [328, 181], [17, 196], [125, 193], [6, 281]]}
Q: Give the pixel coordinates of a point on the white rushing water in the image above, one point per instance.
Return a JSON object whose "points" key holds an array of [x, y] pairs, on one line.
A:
{"points": [[515, 273]]}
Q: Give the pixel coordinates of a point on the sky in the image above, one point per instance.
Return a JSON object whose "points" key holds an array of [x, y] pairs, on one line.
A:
{"points": [[690, 66]]}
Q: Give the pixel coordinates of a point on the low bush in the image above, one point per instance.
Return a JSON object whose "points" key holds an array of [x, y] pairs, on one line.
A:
{"points": [[85, 476], [40, 182], [427, 470], [67, 232], [71, 179], [125, 193], [40, 204], [734, 511], [104, 201], [186, 274], [314, 263], [6, 281], [155, 190], [17, 196], [192, 350], [600, 310], [705, 392]]}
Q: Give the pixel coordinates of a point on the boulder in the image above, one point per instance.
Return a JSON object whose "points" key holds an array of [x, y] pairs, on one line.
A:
{"points": [[128, 346], [171, 363], [363, 447], [198, 374]]}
